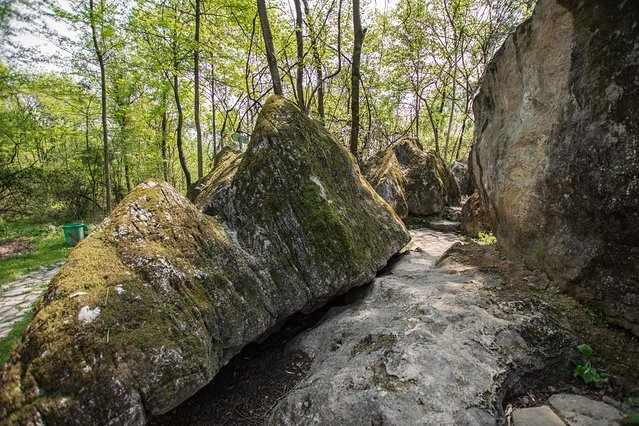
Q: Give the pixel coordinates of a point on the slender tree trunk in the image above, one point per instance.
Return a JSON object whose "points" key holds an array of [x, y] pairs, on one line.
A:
{"points": [[270, 48], [165, 160], [452, 109], [196, 88], [213, 110], [105, 125], [358, 34], [178, 131], [299, 38]]}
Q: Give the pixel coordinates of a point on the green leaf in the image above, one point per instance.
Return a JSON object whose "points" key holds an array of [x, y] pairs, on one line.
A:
{"points": [[585, 350], [633, 419]]}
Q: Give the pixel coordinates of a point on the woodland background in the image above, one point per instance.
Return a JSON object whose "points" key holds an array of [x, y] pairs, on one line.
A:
{"points": [[124, 91]]}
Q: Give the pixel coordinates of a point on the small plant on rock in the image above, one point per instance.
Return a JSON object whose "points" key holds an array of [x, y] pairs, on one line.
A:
{"points": [[487, 238], [584, 368]]}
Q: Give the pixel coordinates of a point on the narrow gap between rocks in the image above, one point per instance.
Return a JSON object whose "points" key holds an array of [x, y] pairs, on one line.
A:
{"points": [[245, 390]]}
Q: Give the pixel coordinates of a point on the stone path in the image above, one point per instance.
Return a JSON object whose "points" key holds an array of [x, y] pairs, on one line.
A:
{"points": [[572, 410], [17, 296]]}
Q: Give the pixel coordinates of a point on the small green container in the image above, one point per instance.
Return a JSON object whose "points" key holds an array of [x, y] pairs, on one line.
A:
{"points": [[74, 233]]}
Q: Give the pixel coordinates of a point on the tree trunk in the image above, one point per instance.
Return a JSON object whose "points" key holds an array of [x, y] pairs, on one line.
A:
{"points": [[165, 160], [105, 125], [358, 34], [196, 88], [270, 48], [213, 110], [300, 55], [178, 131]]}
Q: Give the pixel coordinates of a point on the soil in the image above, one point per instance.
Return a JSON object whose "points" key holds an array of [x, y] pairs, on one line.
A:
{"points": [[616, 351], [245, 390], [16, 247]]}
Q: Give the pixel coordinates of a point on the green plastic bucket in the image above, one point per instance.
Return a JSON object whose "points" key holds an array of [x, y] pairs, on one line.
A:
{"points": [[74, 233]]}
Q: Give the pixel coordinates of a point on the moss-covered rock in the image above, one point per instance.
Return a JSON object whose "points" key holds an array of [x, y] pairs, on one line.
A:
{"points": [[217, 181], [298, 200], [150, 306], [411, 180]]}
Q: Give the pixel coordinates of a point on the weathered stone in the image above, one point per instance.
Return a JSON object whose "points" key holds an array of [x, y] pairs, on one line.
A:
{"points": [[385, 175], [160, 296], [210, 189], [462, 176], [425, 346], [412, 181], [536, 416], [473, 220], [556, 155], [578, 410]]}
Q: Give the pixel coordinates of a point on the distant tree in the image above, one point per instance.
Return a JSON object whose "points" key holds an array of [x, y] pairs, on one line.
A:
{"points": [[270, 48]]}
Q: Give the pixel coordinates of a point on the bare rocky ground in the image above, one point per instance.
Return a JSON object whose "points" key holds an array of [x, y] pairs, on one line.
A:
{"points": [[271, 379], [472, 341]]}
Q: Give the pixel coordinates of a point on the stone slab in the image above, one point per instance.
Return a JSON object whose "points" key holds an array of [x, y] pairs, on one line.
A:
{"points": [[578, 410], [536, 416]]}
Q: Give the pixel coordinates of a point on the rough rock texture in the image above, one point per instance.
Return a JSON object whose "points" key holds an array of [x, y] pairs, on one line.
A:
{"points": [[578, 410], [149, 307], [462, 176], [412, 181], [556, 156], [385, 175], [473, 219], [536, 416], [218, 180], [425, 346]]}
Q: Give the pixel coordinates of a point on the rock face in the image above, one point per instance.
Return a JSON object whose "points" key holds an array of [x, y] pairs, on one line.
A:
{"points": [[462, 176], [425, 346], [218, 180], [473, 219], [556, 155], [412, 181], [149, 307]]}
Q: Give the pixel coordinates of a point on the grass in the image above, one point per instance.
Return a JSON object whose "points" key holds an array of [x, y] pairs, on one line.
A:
{"points": [[14, 336], [48, 241], [50, 248]]}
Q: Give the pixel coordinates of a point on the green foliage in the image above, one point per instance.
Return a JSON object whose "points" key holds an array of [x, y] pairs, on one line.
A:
{"points": [[487, 239], [7, 343], [584, 368], [553, 290], [49, 244], [633, 419]]}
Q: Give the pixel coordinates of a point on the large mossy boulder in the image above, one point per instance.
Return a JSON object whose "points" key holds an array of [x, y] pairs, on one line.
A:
{"points": [[411, 180], [556, 155], [150, 306], [299, 201]]}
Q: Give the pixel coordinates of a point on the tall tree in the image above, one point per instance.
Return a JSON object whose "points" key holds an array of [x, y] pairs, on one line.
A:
{"points": [[358, 36], [196, 90], [299, 39], [270, 48], [99, 53]]}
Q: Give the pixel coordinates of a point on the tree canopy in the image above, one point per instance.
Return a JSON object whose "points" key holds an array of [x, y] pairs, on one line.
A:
{"points": [[149, 88]]}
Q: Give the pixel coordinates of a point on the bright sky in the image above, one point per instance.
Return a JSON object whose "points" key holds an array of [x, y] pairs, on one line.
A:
{"points": [[30, 38]]}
